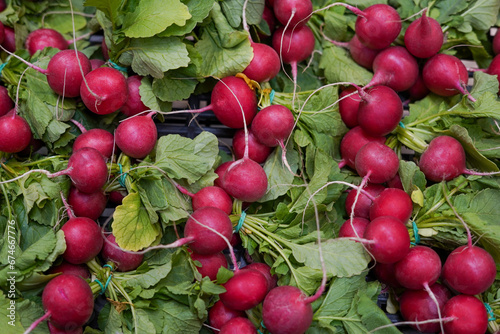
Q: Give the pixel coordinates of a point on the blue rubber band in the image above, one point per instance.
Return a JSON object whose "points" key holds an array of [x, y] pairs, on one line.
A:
{"points": [[271, 96], [105, 286], [108, 266], [117, 67], [262, 324], [2, 67], [490, 312], [402, 125], [240, 222], [123, 176], [415, 232]]}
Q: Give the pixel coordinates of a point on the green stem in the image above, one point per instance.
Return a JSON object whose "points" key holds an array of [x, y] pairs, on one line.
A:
{"points": [[442, 201], [9, 209], [37, 162], [237, 207], [410, 140], [127, 297]]}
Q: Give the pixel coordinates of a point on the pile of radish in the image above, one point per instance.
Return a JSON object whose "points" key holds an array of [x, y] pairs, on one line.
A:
{"points": [[356, 180]]}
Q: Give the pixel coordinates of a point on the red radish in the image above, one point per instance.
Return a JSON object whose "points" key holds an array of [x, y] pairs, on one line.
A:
{"points": [[494, 68], [353, 229], [87, 205], [210, 264], [469, 315], [417, 305], [238, 325], [424, 37], [6, 103], [100, 139], [419, 90], [392, 202], [80, 270], [33, 146], [220, 170], [117, 196], [420, 267], [268, 16], [83, 240], [41, 38], [395, 182], [257, 151], [380, 110], [293, 12], [361, 54], [273, 125], [202, 240], [396, 68], [124, 261], [87, 170], [444, 159], [287, 310], [496, 43], [134, 104], [64, 72], [265, 270], [104, 90], [352, 142], [9, 42], [219, 314], [96, 63], [364, 202], [3, 5], [265, 63], [104, 49], [2, 33], [55, 330], [446, 75], [385, 274], [214, 197], [15, 133], [391, 241], [348, 107], [245, 180], [245, 290], [137, 136], [377, 162], [470, 270]]}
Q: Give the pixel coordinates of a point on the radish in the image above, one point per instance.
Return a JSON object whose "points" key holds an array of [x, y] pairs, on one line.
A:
{"points": [[273, 125], [348, 107], [257, 151], [210, 264], [364, 201], [376, 162], [468, 313], [124, 261], [361, 54], [87, 170], [238, 325], [6, 103], [494, 68], [116, 197], [352, 142], [245, 290], [394, 67], [390, 241], [265, 63], [384, 272], [9, 42], [264, 269], [55, 330], [134, 104], [496, 43], [417, 305], [100, 139], [137, 136], [87, 205], [245, 180], [295, 13], [269, 18], [380, 110], [446, 75], [96, 63], [354, 228], [64, 72], [395, 182], [424, 37], [2, 33], [392, 202], [104, 90], [80, 270], [44, 37], [220, 170], [419, 269], [15, 133], [83, 239], [419, 90], [212, 196], [219, 314]]}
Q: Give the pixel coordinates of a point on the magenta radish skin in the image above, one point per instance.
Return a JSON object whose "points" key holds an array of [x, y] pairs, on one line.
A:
{"points": [[273, 125], [417, 305], [424, 37], [380, 111], [238, 325], [116, 197], [362, 55], [89, 171], [245, 180], [420, 267], [220, 172], [100, 139], [212, 196], [110, 87], [96, 63], [395, 182], [69, 300], [494, 68], [264, 269], [353, 141], [284, 311], [348, 107], [134, 104], [257, 151], [136, 136], [210, 264], [6, 103], [80, 270], [124, 261], [55, 330], [496, 43], [392, 241], [470, 315], [469, 270], [41, 38], [283, 10], [443, 160], [378, 160], [385, 274], [379, 26], [205, 241], [245, 290], [64, 74], [297, 45], [445, 75], [392, 202], [395, 68], [87, 205], [9, 41], [219, 314], [364, 203], [419, 90], [83, 240], [15, 133], [265, 63], [354, 229]]}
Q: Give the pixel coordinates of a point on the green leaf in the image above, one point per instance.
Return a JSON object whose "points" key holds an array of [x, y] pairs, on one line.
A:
{"points": [[147, 20], [151, 277], [223, 275], [171, 317], [178, 205], [155, 55], [25, 313], [449, 8], [411, 176], [184, 158], [149, 98], [111, 8], [131, 225], [484, 82], [234, 9], [482, 14], [199, 10], [340, 67], [372, 316]]}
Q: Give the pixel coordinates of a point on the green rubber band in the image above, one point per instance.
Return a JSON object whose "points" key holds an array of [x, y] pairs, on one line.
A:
{"points": [[490, 312], [402, 125], [271, 95], [123, 176], [240, 222], [117, 67], [415, 232]]}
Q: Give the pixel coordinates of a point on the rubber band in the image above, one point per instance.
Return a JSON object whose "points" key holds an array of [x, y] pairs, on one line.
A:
{"points": [[117, 67], [2, 67], [123, 176], [490, 312], [108, 266], [271, 96], [415, 232], [240, 222], [105, 286], [402, 125]]}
